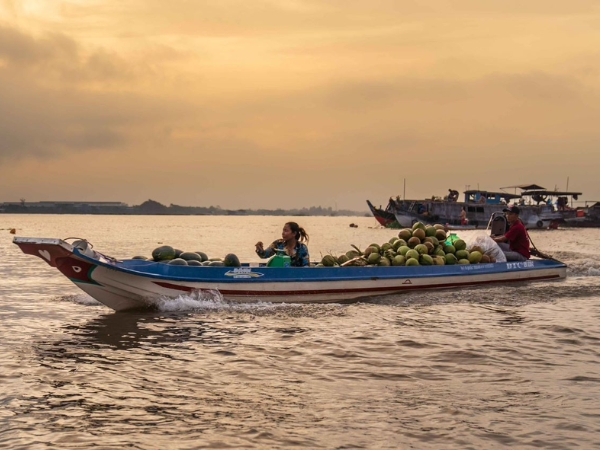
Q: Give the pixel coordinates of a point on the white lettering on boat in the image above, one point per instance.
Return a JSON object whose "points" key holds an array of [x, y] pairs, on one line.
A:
{"points": [[475, 266], [243, 272], [519, 265]]}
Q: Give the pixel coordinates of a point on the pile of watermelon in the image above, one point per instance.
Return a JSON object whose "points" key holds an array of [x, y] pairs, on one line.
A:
{"points": [[169, 255]]}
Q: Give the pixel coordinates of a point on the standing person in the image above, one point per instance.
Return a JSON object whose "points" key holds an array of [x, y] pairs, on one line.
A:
{"points": [[463, 216], [514, 243], [292, 241]]}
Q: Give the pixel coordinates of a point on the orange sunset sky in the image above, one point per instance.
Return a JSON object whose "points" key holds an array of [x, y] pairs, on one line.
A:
{"points": [[293, 103]]}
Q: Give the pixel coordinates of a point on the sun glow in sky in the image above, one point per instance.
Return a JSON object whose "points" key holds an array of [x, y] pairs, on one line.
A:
{"points": [[292, 103]]}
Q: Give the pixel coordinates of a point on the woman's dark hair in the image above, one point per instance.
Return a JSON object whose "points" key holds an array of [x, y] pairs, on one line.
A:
{"points": [[299, 232]]}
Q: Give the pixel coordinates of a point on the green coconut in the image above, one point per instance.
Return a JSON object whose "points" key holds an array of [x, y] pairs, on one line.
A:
{"points": [[413, 242], [440, 235], [418, 225], [485, 259], [405, 234], [412, 254], [351, 254], [450, 259], [426, 260], [476, 248], [139, 257], [439, 226], [475, 257], [385, 246], [342, 259], [439, 261], [449, 248], [459, 244], [329, 260], [374, 258], [420, 233], [399, 260], [371, 249], [463, 261], [439, 252], [178, 253], [399, 243], [193, 262], [390, 254], [412, 262], [430, 230], [422, 249], [429, 246], [402, 250], [462, 254], [392, 240], [376, 246], [206, 263], [163, 253], [191, 256], [178, 262], [231, 260], [384, 261]]}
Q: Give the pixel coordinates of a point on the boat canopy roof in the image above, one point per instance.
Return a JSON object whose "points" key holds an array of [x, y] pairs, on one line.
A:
{"points": [[555, 193], [503, 195], [524, 187]]}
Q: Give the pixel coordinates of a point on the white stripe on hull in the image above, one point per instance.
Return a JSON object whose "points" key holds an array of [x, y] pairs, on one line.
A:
{"points": [[122, 291]]}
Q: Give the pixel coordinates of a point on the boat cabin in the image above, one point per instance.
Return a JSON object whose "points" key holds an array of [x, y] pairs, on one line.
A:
{"points": [[488, 197], [556, 199]]}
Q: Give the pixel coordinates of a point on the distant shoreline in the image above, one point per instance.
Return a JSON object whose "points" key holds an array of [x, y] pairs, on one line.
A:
{"points": [[223, 213], [154, 208]]}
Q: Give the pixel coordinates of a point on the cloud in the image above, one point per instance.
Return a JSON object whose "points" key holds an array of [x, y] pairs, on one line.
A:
{"points": [[231, 102]]}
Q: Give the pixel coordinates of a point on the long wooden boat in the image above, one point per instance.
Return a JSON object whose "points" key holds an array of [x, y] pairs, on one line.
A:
{"points": [[385, 217], [479, 207], [134, 284]]}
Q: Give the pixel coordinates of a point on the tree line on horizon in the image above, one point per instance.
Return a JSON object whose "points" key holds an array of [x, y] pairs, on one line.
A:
{"points": [[152, 207]]}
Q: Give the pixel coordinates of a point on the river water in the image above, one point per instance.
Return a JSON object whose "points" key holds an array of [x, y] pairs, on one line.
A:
{"points": [[471, 368]]}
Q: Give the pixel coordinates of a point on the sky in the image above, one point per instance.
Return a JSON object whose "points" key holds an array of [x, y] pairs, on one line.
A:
{"points": [[296, 103]]}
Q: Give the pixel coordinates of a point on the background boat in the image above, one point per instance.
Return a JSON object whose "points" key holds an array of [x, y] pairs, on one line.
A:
{"points": [[385, 217]]}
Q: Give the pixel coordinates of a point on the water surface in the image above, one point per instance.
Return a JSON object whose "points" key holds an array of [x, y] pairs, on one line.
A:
{"points": [[466, 368]]}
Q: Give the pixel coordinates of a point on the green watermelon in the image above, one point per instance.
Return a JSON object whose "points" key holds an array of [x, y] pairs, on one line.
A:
{"points": [[178, 262], [163, 253], [231, 260], [216, 263], [191, 256], [203, 255]]}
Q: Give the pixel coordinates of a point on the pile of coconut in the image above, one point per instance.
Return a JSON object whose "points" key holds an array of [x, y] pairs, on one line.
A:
{"points": [[423, 245]]}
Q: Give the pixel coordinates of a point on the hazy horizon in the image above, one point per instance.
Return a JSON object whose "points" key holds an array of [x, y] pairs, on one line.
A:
{"points": [[288, 103]]}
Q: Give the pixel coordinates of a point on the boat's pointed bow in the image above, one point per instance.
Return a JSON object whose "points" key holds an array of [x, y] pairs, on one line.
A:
{"points": [[46, 248]]}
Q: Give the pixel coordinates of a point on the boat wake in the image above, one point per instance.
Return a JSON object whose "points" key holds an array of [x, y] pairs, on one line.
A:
{"points": [[80, 299], [583, 268], [214, 302]]}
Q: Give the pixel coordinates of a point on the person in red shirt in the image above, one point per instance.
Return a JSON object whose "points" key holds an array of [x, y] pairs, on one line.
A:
{"points": [[515, 242]]}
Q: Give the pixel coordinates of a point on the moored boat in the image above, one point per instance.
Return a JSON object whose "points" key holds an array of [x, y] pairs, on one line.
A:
{"points": [[134, 283], [561, 202], [479, 206], [385, 217]]}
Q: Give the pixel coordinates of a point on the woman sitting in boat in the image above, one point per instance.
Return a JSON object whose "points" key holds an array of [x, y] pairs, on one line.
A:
{"points": [[514, 243], [292, 241]]}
